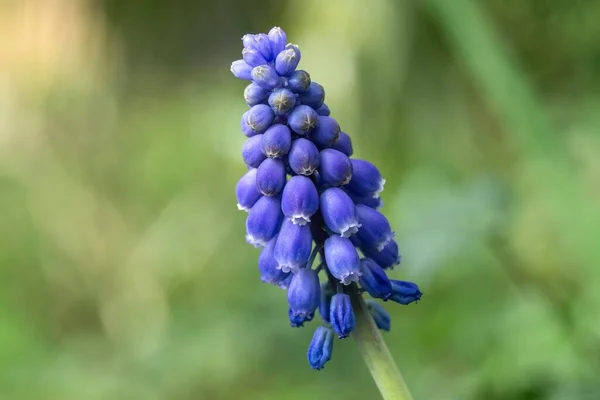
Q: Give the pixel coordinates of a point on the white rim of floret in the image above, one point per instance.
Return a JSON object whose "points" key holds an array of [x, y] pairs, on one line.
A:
{"points": [[300, 219], [256, 242], [380, 246], [288, 268], [350, 229], [379, 189], [306, 171], [347, 180], [348, 278], [242, 208]]}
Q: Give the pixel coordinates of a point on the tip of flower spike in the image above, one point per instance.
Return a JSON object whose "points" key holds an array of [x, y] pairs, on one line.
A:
{"points": [[350, 230], [256, 242]]}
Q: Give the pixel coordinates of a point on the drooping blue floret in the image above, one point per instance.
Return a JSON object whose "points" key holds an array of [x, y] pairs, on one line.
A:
{"points": [[339, 212], [405, 292], [326, 132], [342, 316], [374, 279], [252, 151], [299, 81], [282, 101], [306, 197], [314, 96], [270, 177], [246, 192], [303, 119], [380, 315], [293, 246], [264, 220], [300, 200], [276, 141], [304, 294], [304, 157], [343, 144], [375, 231], [267, 267], [342, 259], [320, 348], [335, 168], [366, 179]]}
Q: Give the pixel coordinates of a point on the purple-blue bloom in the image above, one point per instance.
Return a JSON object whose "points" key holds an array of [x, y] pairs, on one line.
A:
{"points": [[270, 177], [320, 348], [375, 231], [252, 151], [304, 157], [300, 200], [303, 119], [246, 192], [405, 292], [335, 168], [304, 294], [380, 315], [267, 267], [342, 316], [339, 212], [306, 198], [342, 259], [264, 220], [293, 246], [276, 141], [374, 280]]}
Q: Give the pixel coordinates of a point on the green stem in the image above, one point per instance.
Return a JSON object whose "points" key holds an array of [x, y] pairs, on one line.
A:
{"points": [[374, 351]]}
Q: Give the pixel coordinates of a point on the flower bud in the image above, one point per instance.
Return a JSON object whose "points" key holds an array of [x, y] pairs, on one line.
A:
{"points": [[299, 81], [267, 267], [380, 315], [404, 292], [278, 40], [246, 192], [326, 132], [254, 94], [374, 280], [264, 220], [342, 259], [335, 168], [300, 199], [259, 118], [303, 157], [241, 70], [320, 348], [287, 60], [314, 96], [259, 42], [386, 258], [325, 304], [293, 246], [282, 101], [323, 110], [303, 119], [265, 77], [366, 179], [304, 294], [270, 177], [253, 57], [276, 141], [338, 211], [252, 151], [343, 144], [375, 231], [342, 316], [248, 41]]}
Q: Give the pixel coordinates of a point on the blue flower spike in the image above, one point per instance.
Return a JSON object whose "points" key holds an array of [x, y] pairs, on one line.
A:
{"points": [[306, 196]]}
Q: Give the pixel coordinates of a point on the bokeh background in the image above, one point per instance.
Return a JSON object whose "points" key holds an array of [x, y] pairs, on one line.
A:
{"points": [[123, 268]]}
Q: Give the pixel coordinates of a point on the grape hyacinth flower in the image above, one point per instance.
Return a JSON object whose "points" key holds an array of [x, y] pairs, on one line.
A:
{"points": [[306, 197]]}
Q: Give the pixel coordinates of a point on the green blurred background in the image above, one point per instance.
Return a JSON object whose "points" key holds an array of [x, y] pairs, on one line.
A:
{"points": [[123, 268]]}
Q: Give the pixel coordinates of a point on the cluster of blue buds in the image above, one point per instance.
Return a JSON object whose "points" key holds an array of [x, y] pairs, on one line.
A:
{"points": [[305, 197]]}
